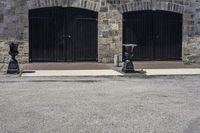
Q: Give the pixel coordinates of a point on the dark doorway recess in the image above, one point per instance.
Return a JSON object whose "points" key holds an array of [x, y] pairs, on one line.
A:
{"points": [[62, 34], [157, 33]]}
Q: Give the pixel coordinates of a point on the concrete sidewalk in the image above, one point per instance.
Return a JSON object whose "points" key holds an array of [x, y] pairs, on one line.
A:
{"points": [[163, 65], [177, 71], [102, 66], [93, 73], [66, 66], [71, 73], [166, 68], [153, 68]]}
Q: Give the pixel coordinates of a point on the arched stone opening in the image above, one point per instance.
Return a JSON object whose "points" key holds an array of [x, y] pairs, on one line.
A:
{"points": [[85, 4], [158, 34], [163, 6], [64, 4], [58, 34]]}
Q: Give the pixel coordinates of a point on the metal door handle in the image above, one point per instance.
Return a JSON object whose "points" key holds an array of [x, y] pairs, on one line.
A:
{"points": [[67, 36]]}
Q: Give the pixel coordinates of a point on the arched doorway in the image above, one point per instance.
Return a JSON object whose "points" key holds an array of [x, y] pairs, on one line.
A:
{"points": [[59, 34], [157, 33]]}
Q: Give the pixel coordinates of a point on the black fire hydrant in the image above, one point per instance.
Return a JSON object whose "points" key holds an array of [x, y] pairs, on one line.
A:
{"points": [[13, 67], [128, 66]]}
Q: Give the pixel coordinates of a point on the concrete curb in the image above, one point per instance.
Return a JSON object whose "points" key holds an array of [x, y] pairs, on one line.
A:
{"points": [[121, 74], [71, 73], [165, 72]]}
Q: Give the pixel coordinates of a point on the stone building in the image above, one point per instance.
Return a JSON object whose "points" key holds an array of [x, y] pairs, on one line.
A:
{"points": [[19, 19]]}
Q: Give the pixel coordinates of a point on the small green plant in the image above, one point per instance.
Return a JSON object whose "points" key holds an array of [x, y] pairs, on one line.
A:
{"points": [[187, 62], [142, 71]]}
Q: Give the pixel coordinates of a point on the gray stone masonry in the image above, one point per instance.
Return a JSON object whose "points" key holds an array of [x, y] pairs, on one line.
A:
{"points": [[14, 23]]}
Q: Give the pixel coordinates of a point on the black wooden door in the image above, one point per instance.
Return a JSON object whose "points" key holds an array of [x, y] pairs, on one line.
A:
{"points": [[168, 35], [157, 33], [81, 35], [58, 41], [136, 31], [41, 36], [62, 34]]}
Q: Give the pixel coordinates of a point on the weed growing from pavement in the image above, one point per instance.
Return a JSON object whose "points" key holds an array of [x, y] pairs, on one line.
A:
{"points": [[187, 62], [142, 71]]}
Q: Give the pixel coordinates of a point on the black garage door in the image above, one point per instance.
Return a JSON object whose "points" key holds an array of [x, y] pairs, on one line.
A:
{"points": [[62, 34], [157, 33]]}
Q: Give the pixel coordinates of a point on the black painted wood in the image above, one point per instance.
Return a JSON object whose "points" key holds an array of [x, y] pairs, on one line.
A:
{"points": [[62, 34], [157, 33]]}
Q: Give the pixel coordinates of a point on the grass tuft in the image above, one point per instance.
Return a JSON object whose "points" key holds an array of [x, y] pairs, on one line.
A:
{"points": [[142, 71], [187, 62]]}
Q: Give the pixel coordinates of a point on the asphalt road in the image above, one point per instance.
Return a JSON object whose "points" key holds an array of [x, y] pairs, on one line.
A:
{"points": [[100, 105]]}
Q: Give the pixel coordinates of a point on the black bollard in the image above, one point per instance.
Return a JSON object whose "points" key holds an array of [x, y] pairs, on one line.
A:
{"points": [[128, 66], [13, 67]]}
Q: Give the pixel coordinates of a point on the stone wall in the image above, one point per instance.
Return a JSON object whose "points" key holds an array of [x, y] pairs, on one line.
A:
{"points": [[22, 57], [193, 49], [14, 23], [4, 52], [110, 32]]}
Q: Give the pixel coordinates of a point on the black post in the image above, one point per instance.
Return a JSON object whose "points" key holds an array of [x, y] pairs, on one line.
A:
{"points": [[13, 67], [128, 66]]}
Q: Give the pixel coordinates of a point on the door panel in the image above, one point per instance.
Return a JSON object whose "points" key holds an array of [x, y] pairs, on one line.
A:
{"points": [[69, 17], [82, 29], [58, 33], [168, 33], [157, 33], [41, 35], [87, 51], [138, 30]]}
